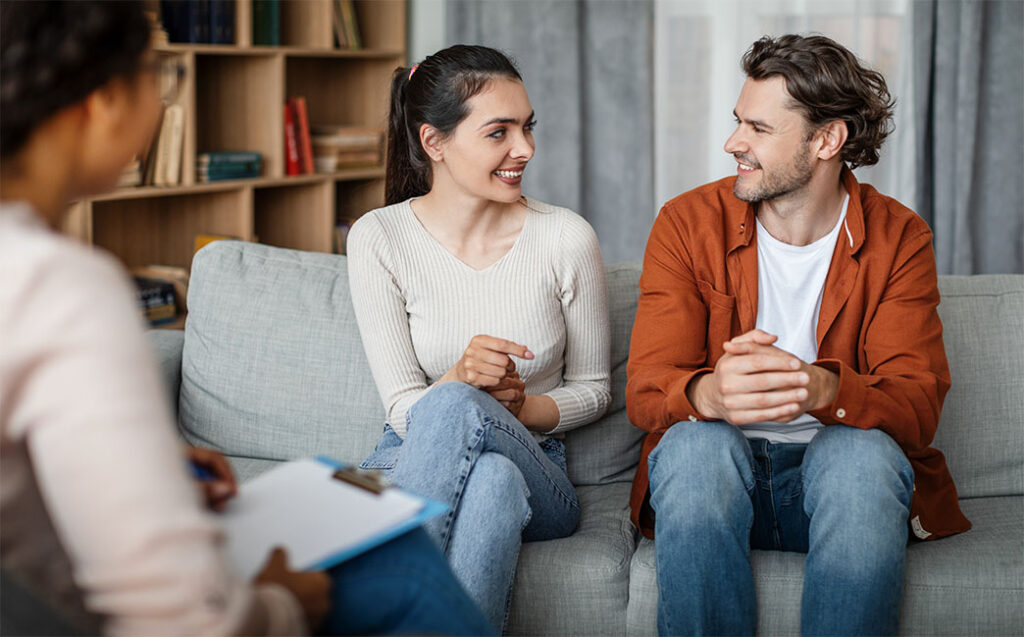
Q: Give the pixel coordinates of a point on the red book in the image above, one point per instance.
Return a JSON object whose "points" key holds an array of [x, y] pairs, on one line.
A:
{"points": [[291, 147], [302, 134]]}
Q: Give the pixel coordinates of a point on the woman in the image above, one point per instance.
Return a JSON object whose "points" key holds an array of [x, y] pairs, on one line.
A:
{"points": [[484, 318], [98, 513]]}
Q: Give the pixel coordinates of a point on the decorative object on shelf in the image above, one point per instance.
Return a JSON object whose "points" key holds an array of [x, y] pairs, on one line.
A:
{"points": [[167, 169], [199, 21], [266, 22], [158, 35], [346, 27], [349, 146], [202, 239], [227, 164]]}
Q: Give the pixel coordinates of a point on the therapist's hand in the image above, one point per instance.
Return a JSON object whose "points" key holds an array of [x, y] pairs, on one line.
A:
{"points": [[311, 589], [222, 487]]}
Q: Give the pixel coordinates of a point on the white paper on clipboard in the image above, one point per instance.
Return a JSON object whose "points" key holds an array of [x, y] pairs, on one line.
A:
{"points": [[318, 519]]}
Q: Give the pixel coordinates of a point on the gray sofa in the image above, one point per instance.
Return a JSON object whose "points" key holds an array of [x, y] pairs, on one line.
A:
{"points": [[270, 367]]}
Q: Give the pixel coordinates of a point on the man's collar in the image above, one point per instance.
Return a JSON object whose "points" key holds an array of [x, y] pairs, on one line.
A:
{"points": [[741, 220]]}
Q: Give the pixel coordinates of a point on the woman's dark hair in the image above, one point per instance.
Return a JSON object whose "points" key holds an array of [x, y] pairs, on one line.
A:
{"points": [[828, 83], [54, 53], [435, 93]]}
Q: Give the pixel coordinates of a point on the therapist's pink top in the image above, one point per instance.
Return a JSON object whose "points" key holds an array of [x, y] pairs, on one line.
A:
{"points": [[96, 507]]}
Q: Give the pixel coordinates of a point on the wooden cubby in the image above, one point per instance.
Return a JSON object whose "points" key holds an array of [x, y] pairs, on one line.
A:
{"points": [[233, 96]]}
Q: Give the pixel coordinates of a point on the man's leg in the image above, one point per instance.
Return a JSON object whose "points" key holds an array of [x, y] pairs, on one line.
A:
{"points": [[857, 491], [403, 587], [701, 480]]}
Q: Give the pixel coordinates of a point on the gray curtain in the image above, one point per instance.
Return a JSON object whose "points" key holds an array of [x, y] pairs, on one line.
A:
{"points": [[969, 98], [587, 66]]}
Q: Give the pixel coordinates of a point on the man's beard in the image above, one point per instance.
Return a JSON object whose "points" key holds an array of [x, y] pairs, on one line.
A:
{"points": [[777, 183]]}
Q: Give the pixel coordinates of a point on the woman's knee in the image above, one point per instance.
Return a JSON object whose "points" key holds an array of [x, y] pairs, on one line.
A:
{"points": [[447, 407], [496, 489]]}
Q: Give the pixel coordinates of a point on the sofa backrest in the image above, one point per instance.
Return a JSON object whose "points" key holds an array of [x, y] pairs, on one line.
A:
{"points": [[982, 427], [272, 367]]}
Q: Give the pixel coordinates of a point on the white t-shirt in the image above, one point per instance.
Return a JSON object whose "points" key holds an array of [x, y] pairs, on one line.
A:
{"points": [[790, 282]]}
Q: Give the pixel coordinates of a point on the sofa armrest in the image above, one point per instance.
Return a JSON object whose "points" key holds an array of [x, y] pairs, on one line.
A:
{"points": [[168, 345]]}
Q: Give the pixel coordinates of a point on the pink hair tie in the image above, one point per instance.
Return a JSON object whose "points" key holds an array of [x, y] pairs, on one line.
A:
{"points": [[413, 70]]}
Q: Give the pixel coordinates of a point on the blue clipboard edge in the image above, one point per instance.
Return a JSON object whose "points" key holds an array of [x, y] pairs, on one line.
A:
{"points": [[431, 509]]}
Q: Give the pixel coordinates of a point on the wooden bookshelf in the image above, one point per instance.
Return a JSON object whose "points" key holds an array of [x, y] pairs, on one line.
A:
{"points": [[233, 97]]}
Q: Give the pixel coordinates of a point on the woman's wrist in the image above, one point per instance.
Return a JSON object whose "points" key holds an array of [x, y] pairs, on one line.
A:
{"points": [[539, 413]]}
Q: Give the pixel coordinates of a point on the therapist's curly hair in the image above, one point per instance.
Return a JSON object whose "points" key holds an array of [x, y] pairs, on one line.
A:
{"points": [[54, 53], [828, 83]]}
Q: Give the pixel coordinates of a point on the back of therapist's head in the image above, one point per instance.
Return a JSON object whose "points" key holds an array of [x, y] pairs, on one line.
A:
{"points": [[434, 92], [55, 53]]}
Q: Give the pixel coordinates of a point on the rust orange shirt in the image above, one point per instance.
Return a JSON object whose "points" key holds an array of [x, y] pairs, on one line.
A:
{"points": [[878, 329]]}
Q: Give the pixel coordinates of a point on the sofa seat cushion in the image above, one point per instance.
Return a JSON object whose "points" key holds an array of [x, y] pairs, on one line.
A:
{"points": [[967, 584], [578, 585], [272, 365]]}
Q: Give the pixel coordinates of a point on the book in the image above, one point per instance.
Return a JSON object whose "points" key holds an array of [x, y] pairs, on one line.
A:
{"points": [[341, 236], [347, 137], [148, 168], [220, 165], [202, 240], [216, 157], [291, 143], [302, 136], [222, 21], [172, 135], [348, 17], [358, 158], [266, 22], [340, 38], [333, 520]]}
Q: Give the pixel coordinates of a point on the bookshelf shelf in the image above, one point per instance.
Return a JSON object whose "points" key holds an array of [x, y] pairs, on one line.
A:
{"points": [[233, 97]]}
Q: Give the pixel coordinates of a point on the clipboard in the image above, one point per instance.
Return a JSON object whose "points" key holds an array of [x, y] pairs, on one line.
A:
{"points": [[320, 512]]}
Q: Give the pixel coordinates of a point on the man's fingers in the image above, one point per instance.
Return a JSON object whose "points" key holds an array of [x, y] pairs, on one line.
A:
{"points": [[763, 362], [763, 400], [782, 413], [759, 337]]}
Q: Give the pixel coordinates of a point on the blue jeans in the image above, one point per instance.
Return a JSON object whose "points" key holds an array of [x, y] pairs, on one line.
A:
{"points": [[464, 449], [844, 499], [403, 587]]}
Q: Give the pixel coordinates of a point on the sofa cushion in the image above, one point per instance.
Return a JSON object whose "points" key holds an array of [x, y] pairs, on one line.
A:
{"points": [[966, 584], [609, 449], [272, 365], [982, 426], [578, 585]]}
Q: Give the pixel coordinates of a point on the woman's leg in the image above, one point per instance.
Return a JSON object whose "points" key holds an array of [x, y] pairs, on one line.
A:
{"points": [[404, 587], [466, 450], [448, 429]]}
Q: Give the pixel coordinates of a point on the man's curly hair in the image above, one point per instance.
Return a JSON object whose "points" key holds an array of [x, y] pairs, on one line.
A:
{"points": [[828, 83], [55, 53]]}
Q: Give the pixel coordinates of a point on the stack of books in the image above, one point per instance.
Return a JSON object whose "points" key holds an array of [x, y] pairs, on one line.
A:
{"points": [[199, 21], [156, 298], [227, 164], [131, 175], [348, 146], [346, 28]]}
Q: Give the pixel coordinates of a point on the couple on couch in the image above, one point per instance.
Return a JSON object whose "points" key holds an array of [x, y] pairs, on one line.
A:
{"points": [[786, 358]]}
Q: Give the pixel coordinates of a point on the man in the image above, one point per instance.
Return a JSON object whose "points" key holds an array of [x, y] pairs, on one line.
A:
{"points": [[787, 360]]}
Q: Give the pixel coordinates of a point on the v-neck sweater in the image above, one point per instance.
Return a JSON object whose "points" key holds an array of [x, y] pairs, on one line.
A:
{"points": [[418, 306]]}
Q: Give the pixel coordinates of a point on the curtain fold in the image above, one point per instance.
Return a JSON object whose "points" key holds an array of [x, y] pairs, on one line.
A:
{"points": [[969, 97], [587, 67]]}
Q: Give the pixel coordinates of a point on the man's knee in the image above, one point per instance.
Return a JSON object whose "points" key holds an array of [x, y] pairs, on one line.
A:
{"points": [[842, 460], [696, 447]]}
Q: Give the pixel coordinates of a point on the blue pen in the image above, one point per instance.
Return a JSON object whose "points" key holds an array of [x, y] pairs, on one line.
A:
{"points": [[201, 473]]}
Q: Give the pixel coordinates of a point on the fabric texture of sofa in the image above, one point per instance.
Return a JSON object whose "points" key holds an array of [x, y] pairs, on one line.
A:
{"points": [[270, 367]]}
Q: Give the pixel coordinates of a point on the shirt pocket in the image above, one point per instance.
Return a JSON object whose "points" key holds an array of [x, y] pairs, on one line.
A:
{"points": [[721, 312]]}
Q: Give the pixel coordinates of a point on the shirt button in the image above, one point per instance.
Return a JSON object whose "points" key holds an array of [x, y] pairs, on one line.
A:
{"points": [[692, 418], [840, 413]]}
